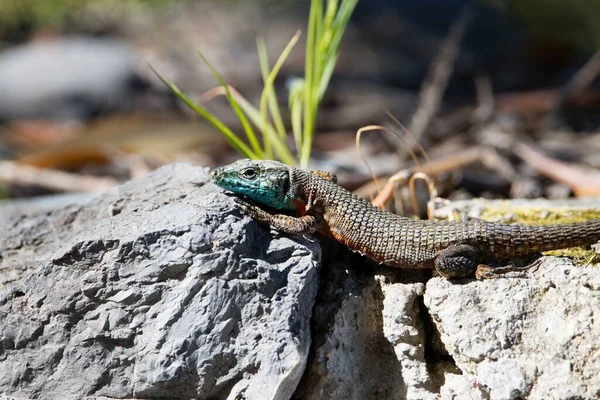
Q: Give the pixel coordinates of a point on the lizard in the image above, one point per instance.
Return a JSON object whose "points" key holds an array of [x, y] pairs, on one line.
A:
{"points": [[455, 249]]}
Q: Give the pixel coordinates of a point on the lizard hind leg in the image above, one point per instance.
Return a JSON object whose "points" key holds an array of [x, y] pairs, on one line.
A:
{"points": [[458, 261]]}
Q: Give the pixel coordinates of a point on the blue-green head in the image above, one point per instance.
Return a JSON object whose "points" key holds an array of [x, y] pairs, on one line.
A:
{"points": [[264, 182]]}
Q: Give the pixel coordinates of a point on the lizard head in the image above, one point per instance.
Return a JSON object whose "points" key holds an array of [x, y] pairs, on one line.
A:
{"points": [[265, 182]]}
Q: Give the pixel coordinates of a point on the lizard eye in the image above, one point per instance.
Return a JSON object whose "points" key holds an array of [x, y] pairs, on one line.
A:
{"points": [[249, 173]]}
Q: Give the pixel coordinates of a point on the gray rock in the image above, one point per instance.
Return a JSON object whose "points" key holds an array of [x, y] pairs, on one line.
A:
{"points": [[538, 207], [532, 337], [21, 206], [160, 288], [351, 357], [368, 339], [156, 289], [67, 78], [403, 327]]}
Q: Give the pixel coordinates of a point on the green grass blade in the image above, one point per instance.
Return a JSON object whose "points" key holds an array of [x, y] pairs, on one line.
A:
{"points": [[314, 21], [337, 27], [236, 108], [273, 74], [263, 62], [321, 41], [280, 146], [326, 27], [330, 13], [295, 101], [231, 137], [273, 103]]}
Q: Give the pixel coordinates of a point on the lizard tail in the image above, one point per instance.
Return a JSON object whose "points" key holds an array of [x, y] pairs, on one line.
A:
{"points": [[519, 240]]}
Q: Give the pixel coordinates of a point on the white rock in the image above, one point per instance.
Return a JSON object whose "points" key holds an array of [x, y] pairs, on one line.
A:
{"points": [[533, 337]]}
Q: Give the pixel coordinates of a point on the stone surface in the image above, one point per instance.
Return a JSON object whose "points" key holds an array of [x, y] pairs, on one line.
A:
{"points": [[156, 289], [161, 289], [403, 328], [11, 207], [82, 77], [539, 207], [531, 337], [368, 339], [350, 353]]}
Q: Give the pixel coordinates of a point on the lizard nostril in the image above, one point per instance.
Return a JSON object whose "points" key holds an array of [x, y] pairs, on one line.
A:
{"points": [[214, 173]]}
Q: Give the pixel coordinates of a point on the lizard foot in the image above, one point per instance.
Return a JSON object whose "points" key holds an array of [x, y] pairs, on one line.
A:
{"points": [[281, 222], [490, 272]]}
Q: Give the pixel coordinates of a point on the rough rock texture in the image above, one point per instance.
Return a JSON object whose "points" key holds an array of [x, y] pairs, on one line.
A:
{"points": [[403, 328], [350, 351], [369, 338], [533, 337], [157, 289], [369, 341], [160, 289]]}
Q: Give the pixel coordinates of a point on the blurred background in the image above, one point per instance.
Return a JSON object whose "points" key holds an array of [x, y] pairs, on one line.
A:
{"points": [[503, 94]]}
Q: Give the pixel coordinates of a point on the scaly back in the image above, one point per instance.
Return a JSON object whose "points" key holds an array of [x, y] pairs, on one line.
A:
{"points": [[401, 241]]}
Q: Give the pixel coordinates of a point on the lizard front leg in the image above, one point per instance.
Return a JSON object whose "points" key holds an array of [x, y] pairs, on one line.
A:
{"points": [[281, 222]]}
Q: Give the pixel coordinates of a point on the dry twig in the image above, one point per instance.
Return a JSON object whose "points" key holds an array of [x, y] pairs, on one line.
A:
{"points": [[435, 84], [17, 173], [583, 182], [486, 155], [582, 79]]}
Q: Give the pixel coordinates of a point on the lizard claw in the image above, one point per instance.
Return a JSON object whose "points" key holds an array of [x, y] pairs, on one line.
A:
{"points": [[250, 209], [243, 204]]}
